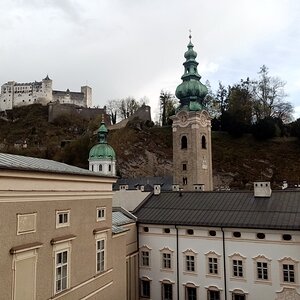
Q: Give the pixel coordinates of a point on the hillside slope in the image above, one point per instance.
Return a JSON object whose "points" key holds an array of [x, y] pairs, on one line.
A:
{"points": [[144, 151]]}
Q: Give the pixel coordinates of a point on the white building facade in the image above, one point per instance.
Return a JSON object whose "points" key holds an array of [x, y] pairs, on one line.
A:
{"points": [[250, 261]]}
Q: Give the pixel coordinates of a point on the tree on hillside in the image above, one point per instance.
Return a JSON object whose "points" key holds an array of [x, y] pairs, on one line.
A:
{"points": [[269, 97], [222, 97], [167, 103], [112, 109]]}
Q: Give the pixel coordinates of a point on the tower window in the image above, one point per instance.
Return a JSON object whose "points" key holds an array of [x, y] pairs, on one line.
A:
{"points": [[203, 142], [184, 142], [184, 180], [100, 168], [184, 167]]}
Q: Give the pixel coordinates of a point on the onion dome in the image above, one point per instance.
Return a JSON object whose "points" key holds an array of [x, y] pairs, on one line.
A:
{"points": [[102, 151], [191, 89]]}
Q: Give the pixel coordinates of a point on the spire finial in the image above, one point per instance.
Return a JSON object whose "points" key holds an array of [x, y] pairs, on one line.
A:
{"points": [[190, 36]]}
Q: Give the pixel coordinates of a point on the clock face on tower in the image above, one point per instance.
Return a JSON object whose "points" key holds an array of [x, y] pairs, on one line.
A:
{"points": [[183, 118]]}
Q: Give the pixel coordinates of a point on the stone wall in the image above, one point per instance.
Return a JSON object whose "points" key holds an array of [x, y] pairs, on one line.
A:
{"points": [[56, 109]]}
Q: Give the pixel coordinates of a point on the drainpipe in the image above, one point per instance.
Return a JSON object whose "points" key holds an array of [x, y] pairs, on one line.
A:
{"points": [[177, 261], [224, 261]]}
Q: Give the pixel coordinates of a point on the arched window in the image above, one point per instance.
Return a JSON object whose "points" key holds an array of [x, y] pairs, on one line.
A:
{"points": [[100, 168], [203, 142], [183, 142]]}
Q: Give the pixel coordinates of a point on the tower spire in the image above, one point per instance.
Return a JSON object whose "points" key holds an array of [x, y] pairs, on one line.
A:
{"points": [[191, 91]]}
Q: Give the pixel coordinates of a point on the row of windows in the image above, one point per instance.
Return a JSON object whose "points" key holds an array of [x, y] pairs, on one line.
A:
{"points": [[63, 217], [26, 223], [190, 291], [262, 265], [100, 168], [184, 142], [235, 234]]}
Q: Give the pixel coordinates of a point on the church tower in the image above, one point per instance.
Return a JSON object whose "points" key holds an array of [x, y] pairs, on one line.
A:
{"points": [[102, 157], [192, 156]]}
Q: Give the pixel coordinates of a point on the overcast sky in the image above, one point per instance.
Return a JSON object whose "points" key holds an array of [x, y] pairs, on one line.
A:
{"points": [[135, 47]]}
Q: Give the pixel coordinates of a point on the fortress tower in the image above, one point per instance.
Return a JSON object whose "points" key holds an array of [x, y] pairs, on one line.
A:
{"points": [[192, 156]]}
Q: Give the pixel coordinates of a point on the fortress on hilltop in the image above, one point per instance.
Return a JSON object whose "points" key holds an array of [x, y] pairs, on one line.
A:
{"points": [[14, 94]]}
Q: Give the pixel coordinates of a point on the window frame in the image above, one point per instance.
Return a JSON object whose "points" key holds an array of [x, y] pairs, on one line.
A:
{"points": [[288, 261], [188, 286], [100, 253], [145, 249], [190, 266], [165, 261], [57, 217], [213, 255], [238, 257], [166, 282], [61, 247], [144, 280], [264, 260], [101, 218]]}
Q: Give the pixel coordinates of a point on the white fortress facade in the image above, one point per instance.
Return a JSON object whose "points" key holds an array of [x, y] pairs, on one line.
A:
{"points": [[14, 94]]}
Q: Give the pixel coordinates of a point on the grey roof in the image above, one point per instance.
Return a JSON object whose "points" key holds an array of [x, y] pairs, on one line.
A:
{"points": [[18, 162], [119, 218], [118, 229], [222, 209], [147, 182]]}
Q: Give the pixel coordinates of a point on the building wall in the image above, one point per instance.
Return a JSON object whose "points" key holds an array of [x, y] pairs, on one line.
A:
{"points": [[273, 247], [42, 195]]}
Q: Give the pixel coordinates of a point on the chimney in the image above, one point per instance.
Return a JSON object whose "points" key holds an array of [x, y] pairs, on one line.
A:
{"points": [[262, 189], [156, 189], [175, 187]]}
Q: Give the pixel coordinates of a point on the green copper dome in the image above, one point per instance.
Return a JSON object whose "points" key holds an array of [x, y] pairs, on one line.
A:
{"points": [[191, 92], [102, 151]]}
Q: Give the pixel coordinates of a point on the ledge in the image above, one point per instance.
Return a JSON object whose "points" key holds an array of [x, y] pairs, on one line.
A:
{"points": [[25, 247], [61, 239]]}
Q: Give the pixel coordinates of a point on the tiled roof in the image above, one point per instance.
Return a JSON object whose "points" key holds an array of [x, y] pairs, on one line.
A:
{"points": [[18, 162], [222, 209], [119, 218]]}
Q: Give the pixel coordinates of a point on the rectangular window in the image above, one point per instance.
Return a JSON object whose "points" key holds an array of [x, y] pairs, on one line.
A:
{"points": [[183, 167], [262, 270], [145, 288], [213, 265], [213, 295], [166, 262], [100, 255], [190, 293], [101, 214], [238, 297], [288, 273], [145, 258], [237, 268], [61, 272], [62, 218], [190, 263], [167, 291]]}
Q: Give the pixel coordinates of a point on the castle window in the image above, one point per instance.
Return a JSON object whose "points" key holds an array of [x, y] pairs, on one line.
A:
{"points": [[203, 142], [184, 142], [183, 167]]}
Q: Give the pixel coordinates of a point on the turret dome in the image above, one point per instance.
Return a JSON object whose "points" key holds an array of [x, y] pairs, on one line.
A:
{"points": [[191, 89]]}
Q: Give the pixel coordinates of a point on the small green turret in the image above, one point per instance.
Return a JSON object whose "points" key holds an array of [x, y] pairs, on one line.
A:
{"points": [[102, 157]]}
